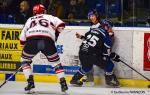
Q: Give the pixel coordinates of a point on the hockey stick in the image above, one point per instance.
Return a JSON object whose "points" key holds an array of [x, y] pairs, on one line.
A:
{"points": [[115, 57], [135, 70], [11, 76]]}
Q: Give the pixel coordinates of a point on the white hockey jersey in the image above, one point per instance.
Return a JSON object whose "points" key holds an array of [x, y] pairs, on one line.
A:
{"points": [[41, 25]]}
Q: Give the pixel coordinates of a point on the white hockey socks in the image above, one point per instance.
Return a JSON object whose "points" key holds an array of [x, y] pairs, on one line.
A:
{"points": [[27, 71], [59, 71]]}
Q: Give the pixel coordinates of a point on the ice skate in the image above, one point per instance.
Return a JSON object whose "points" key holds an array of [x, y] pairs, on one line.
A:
{"points": [[111, 81], [86, 82], [76, 83], [63, 84], [89, 79], [30, 85]]}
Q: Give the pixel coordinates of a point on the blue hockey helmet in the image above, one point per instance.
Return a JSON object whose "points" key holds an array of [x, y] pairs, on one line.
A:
{"points": [[107, 23], [93, 12]]}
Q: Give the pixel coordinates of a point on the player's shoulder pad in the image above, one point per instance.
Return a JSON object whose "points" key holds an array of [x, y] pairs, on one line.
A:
{"points": [[101, 30]]}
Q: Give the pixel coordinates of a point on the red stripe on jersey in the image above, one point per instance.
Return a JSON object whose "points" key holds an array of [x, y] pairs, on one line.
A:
{"points": [[62, 25], [53, 58], [59, 71], [22, 41], [26, 67]]}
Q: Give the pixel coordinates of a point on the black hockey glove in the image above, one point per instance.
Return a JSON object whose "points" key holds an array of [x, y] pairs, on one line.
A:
{"points": [[115, 57], [82, 37]]}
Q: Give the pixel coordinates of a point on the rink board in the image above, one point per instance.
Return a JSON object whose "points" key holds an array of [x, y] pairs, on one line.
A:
{"points": [[130, 44], [53, 79]]}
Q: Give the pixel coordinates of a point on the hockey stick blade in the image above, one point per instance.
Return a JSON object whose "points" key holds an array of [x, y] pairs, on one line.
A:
{"points": [[10, 77], [135, 70], [3, 84], [148, 86]]}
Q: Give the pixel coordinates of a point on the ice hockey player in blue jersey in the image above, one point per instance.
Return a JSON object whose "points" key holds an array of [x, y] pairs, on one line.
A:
{"points": [[95, 50]]}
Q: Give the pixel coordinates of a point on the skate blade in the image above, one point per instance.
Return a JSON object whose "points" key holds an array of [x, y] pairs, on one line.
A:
{"points": [[65, 93], [74, 85], [30, 92], [88, 84], [111, 86], [64, 90]]}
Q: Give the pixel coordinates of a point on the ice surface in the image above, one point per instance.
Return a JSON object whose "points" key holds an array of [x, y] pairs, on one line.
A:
{"points": [[17, 88]]}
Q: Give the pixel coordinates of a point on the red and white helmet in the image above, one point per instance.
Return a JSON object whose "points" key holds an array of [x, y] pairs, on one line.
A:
{"points": [[38, 9]]}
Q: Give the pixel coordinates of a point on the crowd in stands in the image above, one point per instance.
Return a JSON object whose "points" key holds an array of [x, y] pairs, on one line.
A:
{"points": [[17, 11]]}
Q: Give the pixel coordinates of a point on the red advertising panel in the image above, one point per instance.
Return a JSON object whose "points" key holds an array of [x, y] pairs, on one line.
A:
{"points": [[146, 51]]}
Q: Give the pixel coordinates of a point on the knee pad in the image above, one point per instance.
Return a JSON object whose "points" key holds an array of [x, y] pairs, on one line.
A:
{"points": [[25, 61]]}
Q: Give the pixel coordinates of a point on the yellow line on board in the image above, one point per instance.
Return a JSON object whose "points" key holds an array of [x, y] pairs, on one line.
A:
{"points": [[134, 83], [52, 78], [20, 77], [2, 76], [45, 78]]}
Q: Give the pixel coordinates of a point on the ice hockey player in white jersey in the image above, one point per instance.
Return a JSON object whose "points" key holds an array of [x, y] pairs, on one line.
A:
{"points": [[39, 34]]}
